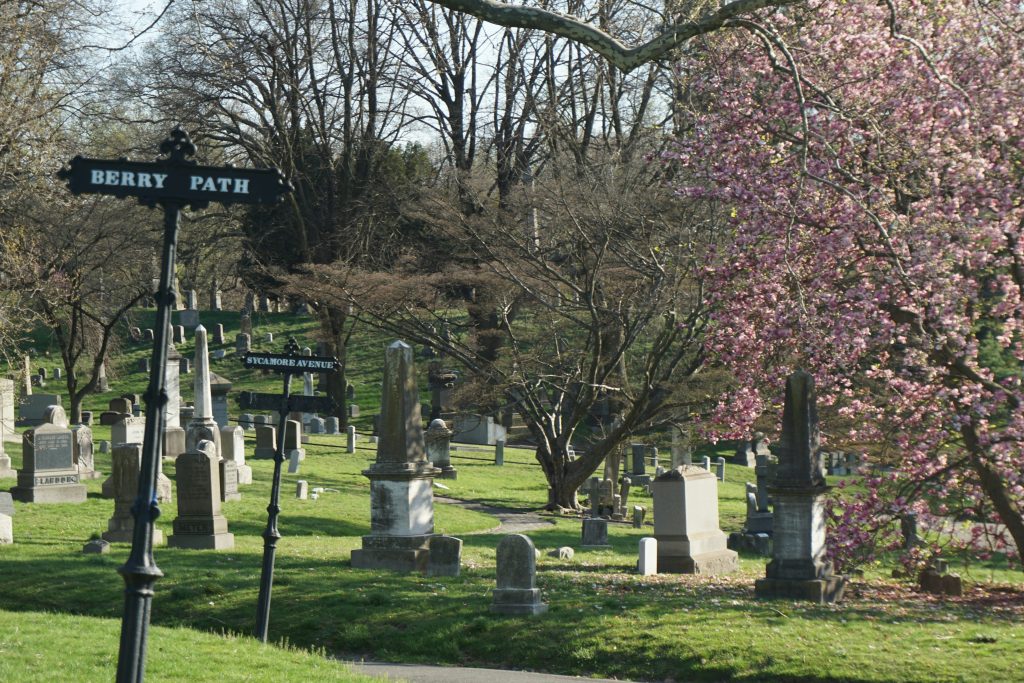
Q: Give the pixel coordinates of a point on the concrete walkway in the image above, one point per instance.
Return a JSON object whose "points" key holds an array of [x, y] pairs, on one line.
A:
{"points": [[423, 673], [510, 521]]}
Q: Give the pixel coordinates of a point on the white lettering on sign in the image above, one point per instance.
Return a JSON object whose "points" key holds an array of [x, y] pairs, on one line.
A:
{"points": [[212, 184], [127, 179]]}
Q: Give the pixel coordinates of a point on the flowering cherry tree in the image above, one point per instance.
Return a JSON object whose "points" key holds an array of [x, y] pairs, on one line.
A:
{"points": [[871, 156]]}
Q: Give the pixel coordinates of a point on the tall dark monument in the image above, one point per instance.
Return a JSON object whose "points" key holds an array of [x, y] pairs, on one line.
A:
{"points": [[798, 568]]}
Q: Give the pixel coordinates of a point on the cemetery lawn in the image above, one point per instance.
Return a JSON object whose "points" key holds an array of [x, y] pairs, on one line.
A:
{"points": [[604, 620], [59, 647]]}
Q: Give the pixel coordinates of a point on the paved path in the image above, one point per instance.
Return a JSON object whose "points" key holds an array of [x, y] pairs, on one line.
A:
{"points": [[423, 673], [510, 520]]}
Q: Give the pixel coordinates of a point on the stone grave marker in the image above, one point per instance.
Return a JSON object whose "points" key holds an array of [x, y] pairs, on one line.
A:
{"points": [[437, 441], [200, 523], [648, 561], [228, 472], [516, 592], [445, 557], [232, 444], [126, 462], [48, 473], [266, 441], [686, 524], [302, 489]]}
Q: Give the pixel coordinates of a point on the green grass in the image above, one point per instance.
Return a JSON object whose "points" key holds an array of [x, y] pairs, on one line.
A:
{"points": [[603, 619], [36, 647]]}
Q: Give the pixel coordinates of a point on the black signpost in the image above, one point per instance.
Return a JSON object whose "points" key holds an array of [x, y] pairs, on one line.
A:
{"points": [[289, 363], [173, 182]]}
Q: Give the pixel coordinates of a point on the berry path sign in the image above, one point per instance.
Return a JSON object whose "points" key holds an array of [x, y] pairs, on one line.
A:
{"points": [[172, 182]]}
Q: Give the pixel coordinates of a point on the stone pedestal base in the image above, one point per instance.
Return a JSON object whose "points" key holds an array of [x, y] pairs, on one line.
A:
{"points": [[447, 472], [710, 563], [759, 523], [759, 543], [201, 533], [33, 487], [395, 553], [827, 589], [517, 601]]}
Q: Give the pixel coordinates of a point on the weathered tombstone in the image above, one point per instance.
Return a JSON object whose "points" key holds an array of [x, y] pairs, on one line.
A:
{"points": [[7, 404], [219, 389], [6, 529], [87, 418], [332, 425], [6, 504], [82, 446], [143, 365], [293, 461], [126, 462], [350, 441], [706, 463], [353, 410], [798, 568], [499, 452], [215, 300], [218, 333], [178, 332], [647, 565], [438, 444], [6, 471], [745, 454], [638, 464], [445, 558], [639, 513], [185, 366], [268, 338], [200, 524], [517, 574], [266, 441], [228, 471], [682, 453], [135, 334], [245, 327], [317, 425], [686, 524], [148, 335], [720, 469], [202, 426], [232, 444], [401, 478], [174, 434], [245, 421], [32, 409], [48, 473], [243, 343], [302, 489], [58, 373], [55, 415], [595, 532], [293, 438]]}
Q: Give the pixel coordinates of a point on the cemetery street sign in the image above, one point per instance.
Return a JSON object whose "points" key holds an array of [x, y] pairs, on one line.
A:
{"points": [[185, 183], [288, 363], [172, 181]]}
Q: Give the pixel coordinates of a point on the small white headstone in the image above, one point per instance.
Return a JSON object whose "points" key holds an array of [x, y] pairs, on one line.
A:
{"points": [[302, 489], [294, 458], [648, 564]]}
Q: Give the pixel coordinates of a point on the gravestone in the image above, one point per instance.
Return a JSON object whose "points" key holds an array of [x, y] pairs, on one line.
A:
{"points": [[232, 444], [174, 434], [517, 592], [499, 452], [745, 454], [268, 338], [245, 326], [595, 533], [647, 563], [798, 568], [245, 421], [293, 438], [317, 425], [143, 365], [202, 426], [55, 415], [302, 489], [228, 472], [219, 389], [189, 318], [293, 461], [266, 441], [82, 451], [48, 473], [218, 334], [401, 478], [438, 444], [184, 366], [133, 430], [32, 408], [332, 425], [243, 343], [350, 439], [148, 335], [200, 524], [87, 418], [720, 469], [7, 404], [682, 453], [215, 300], [126, 463], [6, 529], [686, 524], [477, 429], [445, 558], [6, 471], [639, 466], [178, 334]]}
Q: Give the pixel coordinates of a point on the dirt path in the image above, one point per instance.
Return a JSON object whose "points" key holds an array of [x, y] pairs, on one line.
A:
{"points": [[511, 520]]}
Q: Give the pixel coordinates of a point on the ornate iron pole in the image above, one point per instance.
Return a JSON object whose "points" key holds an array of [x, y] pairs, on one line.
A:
{"points": [[140, 571], [271, 535]]}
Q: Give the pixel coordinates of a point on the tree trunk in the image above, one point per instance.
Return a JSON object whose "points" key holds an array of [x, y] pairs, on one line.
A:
{"points": [[332, 322], [995, 490]]}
